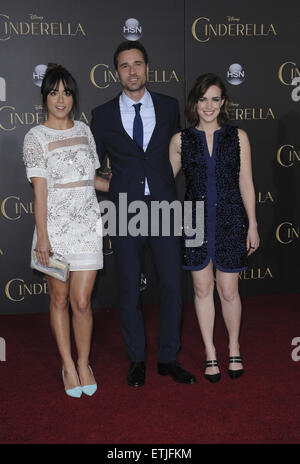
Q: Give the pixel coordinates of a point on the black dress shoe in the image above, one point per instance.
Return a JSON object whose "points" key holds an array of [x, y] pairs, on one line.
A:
{"points": [[136, 374], [176, 372]]}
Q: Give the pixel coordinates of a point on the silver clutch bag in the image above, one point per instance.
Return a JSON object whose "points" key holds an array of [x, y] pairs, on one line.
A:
{"points": [[58, 267]]}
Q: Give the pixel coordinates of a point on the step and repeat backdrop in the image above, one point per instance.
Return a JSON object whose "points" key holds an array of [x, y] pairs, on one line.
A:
{"points": [[253, 46]]}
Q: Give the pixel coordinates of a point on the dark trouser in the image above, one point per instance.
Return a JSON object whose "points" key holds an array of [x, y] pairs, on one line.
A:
{"points": [[166, 255]]}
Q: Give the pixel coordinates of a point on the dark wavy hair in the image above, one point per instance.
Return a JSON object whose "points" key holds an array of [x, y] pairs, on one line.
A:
{"points": [[53, 76], [130, 45], [199, 88]]}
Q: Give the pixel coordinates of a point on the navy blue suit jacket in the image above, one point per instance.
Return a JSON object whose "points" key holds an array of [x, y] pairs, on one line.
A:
{"points": [[129, 163]]}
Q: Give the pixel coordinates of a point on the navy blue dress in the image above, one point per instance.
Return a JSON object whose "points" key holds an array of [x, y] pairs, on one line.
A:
{"points": [[215, 181]]}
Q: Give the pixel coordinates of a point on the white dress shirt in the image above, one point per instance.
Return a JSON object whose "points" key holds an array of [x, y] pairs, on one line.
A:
{"points": [[147, 113]]}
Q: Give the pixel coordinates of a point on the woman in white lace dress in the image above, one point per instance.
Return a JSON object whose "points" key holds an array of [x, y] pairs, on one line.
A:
{"points": [[61, 159]]}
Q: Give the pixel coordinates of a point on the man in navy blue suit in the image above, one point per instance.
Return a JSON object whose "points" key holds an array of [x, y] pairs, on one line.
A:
{"points": [[134, 130]]}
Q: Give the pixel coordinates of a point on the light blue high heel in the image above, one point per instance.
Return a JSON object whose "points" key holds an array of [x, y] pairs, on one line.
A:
{"points": [[75, 392], [89, 389]]}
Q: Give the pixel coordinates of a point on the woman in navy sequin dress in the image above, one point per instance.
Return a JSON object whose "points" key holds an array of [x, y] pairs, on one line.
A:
{"points": [[216, 160]]}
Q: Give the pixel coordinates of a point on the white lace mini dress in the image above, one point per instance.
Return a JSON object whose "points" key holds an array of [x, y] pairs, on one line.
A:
{"points": [[67, 159]]}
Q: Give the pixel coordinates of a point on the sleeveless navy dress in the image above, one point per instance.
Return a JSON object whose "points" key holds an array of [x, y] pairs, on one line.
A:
{"points": [[215, 181]]}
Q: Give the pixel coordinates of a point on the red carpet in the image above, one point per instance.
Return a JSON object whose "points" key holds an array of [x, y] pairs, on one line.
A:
{"points": [[260, 407]]}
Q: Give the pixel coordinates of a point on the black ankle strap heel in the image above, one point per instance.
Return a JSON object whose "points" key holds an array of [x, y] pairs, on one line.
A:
{"points": [[235, 374], [214, 377]]}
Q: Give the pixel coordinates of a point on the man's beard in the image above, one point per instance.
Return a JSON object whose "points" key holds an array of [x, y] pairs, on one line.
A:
{"points": [[136, 89]]}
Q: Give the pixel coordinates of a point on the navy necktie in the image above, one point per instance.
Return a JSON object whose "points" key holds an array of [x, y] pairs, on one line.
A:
{"points": [[138, 130]]}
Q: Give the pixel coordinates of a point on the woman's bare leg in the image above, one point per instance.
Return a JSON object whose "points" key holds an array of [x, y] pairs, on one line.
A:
{"points": [[227, 286], [81, 287], [203, 281], [60, 324]]}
